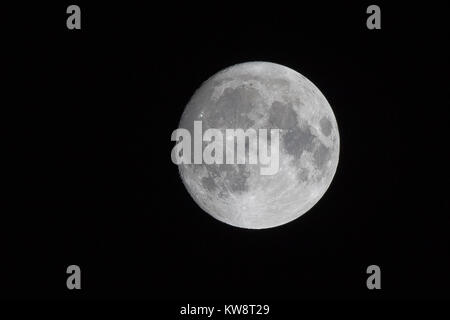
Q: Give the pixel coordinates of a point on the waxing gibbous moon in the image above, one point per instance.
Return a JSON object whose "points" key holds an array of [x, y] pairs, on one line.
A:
{"points": [[263, 95]]}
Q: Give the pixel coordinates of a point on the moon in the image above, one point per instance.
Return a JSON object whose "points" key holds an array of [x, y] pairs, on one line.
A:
{"points": [[270, 96]]}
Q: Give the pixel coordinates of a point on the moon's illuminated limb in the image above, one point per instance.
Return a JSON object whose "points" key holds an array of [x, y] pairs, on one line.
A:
{"points": [[264, 95]]}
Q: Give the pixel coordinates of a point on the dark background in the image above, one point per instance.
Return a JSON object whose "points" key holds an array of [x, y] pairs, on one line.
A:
{"points": [[87, 118]]}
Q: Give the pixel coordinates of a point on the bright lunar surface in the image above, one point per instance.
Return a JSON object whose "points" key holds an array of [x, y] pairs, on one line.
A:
{"points": [[263, 95]]}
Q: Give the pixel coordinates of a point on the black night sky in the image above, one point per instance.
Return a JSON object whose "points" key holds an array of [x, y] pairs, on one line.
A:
{"points": [[87, 117]]}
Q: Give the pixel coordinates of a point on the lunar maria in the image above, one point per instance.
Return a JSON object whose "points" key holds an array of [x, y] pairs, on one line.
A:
{"points": [[257, 145]]}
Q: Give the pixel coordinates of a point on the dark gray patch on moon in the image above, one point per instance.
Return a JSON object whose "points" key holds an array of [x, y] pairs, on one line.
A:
{"points": [[209, 183], [228, 177], [282, 116], [238, 178], [325, 126], [233, 107], [298, 139]]}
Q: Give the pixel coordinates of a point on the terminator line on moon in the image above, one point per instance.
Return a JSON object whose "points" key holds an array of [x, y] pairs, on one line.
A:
{"points": [[270, 96]]}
